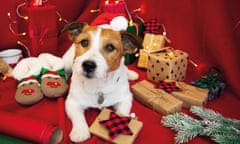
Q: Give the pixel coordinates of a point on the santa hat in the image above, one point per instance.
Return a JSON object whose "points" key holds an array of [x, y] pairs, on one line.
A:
{"points": [[51, 62], [27, 67], [115, 21]]}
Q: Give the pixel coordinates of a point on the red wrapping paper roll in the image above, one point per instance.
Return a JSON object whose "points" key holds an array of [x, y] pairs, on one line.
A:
{"points": [[29, 129]]}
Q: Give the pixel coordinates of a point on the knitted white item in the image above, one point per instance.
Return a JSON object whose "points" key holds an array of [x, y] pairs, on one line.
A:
{"points": [[51, 62], [26, 68]]}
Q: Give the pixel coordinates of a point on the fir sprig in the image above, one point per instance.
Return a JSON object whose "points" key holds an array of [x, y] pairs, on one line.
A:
{"points": [[214, 116], [186, 126], [220, 129]]}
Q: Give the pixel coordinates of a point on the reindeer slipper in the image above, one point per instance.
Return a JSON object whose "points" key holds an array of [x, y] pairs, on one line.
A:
{"points": [[53, 80], [27, 72]]}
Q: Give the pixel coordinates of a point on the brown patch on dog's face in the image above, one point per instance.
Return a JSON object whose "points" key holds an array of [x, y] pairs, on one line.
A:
{"points": [[110, 45], [111, 48], [83, 41]]}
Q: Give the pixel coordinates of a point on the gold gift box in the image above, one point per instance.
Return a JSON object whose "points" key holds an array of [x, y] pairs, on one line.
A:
{"points": [[169, 64], [151, 43]]}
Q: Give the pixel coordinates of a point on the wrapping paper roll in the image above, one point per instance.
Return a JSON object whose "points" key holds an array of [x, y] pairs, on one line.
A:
{"points": [[29, 129]]}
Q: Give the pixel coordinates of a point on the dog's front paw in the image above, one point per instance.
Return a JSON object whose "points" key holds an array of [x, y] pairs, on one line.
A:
{"points": [[79, 134]]}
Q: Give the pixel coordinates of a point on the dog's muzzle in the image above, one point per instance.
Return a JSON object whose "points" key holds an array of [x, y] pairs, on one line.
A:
{"points": [[89, 67]]}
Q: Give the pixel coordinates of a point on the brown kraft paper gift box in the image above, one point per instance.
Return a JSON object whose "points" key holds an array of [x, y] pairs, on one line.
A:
{"points": [[191, 95], [169, 64], [151, 43], [156, 99], [97, 129]]}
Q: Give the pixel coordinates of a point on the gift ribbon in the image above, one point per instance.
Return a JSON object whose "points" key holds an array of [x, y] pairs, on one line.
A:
{"points": [[152, 26], [117, 125], [209, 81], [167, 86]]}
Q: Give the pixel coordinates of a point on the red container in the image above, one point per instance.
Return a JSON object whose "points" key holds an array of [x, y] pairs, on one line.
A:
{"points": [[40, 27], [32, 3], [29, 129]]}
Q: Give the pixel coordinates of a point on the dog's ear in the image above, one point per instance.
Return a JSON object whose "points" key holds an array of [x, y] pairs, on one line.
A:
{"points": [[74, 29], [130, 42]]}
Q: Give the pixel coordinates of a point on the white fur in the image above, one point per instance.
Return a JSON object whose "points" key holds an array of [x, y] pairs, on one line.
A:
{"points": [[83, 92], [51, 62], [26, 68]]}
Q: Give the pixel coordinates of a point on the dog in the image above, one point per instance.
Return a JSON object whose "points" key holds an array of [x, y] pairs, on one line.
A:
{"points": [[99, 77]]}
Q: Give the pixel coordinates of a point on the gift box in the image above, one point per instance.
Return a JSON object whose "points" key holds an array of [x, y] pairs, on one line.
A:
{"points": [[191, 95], [151, 44], [154, 40], [169, 64], [156, 99], [212, 82], [115, 128], [40, 27]]}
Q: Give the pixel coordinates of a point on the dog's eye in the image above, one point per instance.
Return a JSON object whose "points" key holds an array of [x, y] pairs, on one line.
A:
{"points": [[84, 43], [109, 48]]}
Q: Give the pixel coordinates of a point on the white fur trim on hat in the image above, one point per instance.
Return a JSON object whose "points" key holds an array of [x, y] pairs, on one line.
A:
{"points": [[26, 68], [50, 61], [28, 80], [51, 74]]}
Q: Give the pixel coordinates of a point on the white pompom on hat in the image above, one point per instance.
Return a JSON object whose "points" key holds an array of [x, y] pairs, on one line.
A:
{"points": [[119, 23]]}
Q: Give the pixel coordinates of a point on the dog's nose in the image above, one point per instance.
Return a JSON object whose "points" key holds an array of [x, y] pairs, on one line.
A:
{"points": [[89, 66]]}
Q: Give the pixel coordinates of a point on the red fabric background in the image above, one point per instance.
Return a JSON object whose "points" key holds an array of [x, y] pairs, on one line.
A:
{"points": [[208, 30]]}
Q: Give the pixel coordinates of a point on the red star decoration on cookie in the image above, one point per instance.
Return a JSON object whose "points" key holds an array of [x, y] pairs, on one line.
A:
{"points": [[117, 125], [168, 86]]}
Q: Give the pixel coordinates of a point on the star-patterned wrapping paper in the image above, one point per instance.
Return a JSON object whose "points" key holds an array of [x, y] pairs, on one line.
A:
{"points": [[106, 118]]}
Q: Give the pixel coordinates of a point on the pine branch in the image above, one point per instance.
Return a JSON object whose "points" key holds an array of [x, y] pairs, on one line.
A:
{"points": [[214, 116], [226, 139], [187, 134], [186, 126], [221, 130]]}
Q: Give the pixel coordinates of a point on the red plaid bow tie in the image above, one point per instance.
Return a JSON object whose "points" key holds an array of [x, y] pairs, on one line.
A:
{"points": [[153, 26], [168, 86], [117, 125]]}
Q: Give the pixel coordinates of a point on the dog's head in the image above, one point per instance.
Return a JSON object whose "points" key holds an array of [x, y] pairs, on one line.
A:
{"points": [[97, 50]]}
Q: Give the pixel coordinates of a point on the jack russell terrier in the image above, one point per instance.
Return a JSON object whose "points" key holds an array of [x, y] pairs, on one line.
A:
{"points": [[99, 76]]}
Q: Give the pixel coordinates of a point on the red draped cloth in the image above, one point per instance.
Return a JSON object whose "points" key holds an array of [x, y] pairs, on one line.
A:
{"points": [[208, 31]]}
